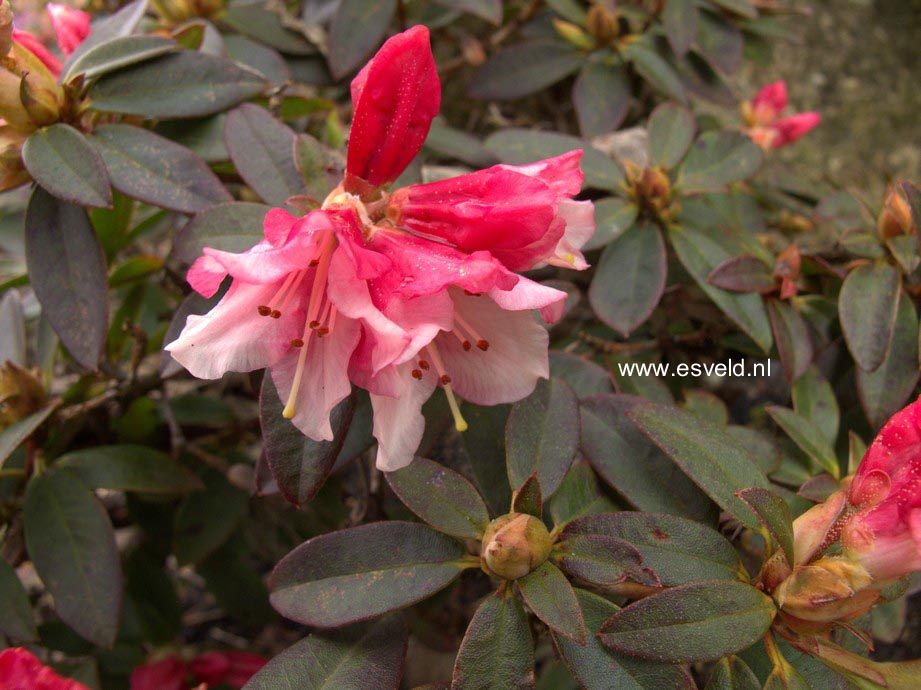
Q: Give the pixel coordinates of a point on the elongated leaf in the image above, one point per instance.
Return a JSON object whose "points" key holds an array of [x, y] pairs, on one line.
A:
{"points": [[774, 514], [497, 651], [529, 499], [358, 27], [868, 306], [524, 68], [16, 433], [807, 437], [520, 146], [549, 595], [671, 131], [314, 163], [743, 274], [117, 53], [67, 270], [583, 376], [814, 399], [601, 96], [699, 254], [261, 149], [183, 84], [206, 519], [62, 161], [456, 143], [731, 673], [130, 468], [615, 447], [542, 435], [680, 19], [716, 159], [72, 545], [147, 167], [603, 560], [598, 668], [613, 217], [484, 442], [885, 391], [791, 334], [441, 497], [121, 23], [358, 573], [335, 659], [16, 622], [263, 23], [490, 10], [701, 449], [720, 42], [580, 494], [655, 70], [701, 621], [231, 227], [630, 278], [676, 549]]}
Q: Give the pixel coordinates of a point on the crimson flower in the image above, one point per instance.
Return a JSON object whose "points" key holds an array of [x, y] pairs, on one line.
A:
{"points": [[885, 534], [397, 292], [70, 26], [763, 118], [231, 668], [20, 670]]}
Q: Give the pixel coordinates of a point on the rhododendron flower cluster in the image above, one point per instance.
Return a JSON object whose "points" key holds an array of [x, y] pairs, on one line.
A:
{"points": [[230, 668], [763, 119], [20, 670], [398, 292]]}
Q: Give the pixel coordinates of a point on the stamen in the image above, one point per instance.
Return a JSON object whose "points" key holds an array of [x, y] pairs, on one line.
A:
{"points": [[459, 422], [297, 342], [317, 292], [463, 341], [264, 310], [417, 374], [293, 291], [275, 314], [423, 365], [481, 342]]}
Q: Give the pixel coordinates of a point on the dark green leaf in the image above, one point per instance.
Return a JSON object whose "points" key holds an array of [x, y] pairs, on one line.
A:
{"points": [[117, 53], [528, 499], [700, 621], [490, 10], [578, 495], [130, 468], [484, 442], [885, 391], [774, 514], [147, 167], [359, 573], [204, 520], [299, 464], [458, 144], [791, 335], [62, 161], [264, 23], [680, 18], [716, 159], [119, 24], [232, 227], [261, 149], [706, 405], [630, 278], [603, 560], [357, 28], [677, 549], [72, 545], [441, 497], [616, 448], [700, 254], [151, 594], [807, 437], [601, 96], [314, 162], [520, 146], [743, 274], [613, 216], [715, 463], [13, 436], [671, 130], [598, 668], [497, 651], [868, 305], [743, 8], [183, 84], [583, 376], [731, 673], [67, 270], [258, 57], [524, 68], [16, 622], [542, 435], [720, 42], [339, 659], [549, 595], [651, 67], [204, 137]]}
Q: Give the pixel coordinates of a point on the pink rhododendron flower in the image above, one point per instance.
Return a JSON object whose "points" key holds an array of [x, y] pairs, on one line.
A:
{"points": [[763, 118], [397, 292], [20, 670], [71, 27], [230, 668], [885, 535]]}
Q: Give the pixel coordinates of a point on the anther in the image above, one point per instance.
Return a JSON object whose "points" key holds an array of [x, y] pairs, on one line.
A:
{"points": [[264, 310], [445, 379], [297, 342], [314, 324], [417, 374], [322, 331], [313, 263], [423, 365], [466, 345], [482, 344], [275, 314]]}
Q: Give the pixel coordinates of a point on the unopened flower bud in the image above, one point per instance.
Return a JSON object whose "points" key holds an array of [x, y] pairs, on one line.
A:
{"points": [[573, 34], [472, 50], [41, 103], [514, 545], [602, 24], [21, 393], [655, 187], [6, 28], [12, 110], [831, 589], [895, 218]]}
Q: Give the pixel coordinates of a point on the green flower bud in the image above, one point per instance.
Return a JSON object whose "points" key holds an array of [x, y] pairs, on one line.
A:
{"points": [[514, 545]]}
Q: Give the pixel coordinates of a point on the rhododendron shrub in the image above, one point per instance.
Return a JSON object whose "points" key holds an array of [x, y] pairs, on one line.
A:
{"points": [[471, 345]]}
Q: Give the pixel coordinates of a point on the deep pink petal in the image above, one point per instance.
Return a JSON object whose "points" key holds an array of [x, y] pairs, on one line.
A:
{"points": [[166, 674], [398, 420], [398, 94], [770, 102], [563, 173], [206, 275], [71, 26], [528, 295], [278, 226], [514, 361], [233, 336], [324, 381], [789, 129], [21, 670], [34, 46]]}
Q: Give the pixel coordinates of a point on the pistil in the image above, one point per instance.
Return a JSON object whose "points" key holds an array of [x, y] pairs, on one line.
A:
{"points": [[459, 422]]}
